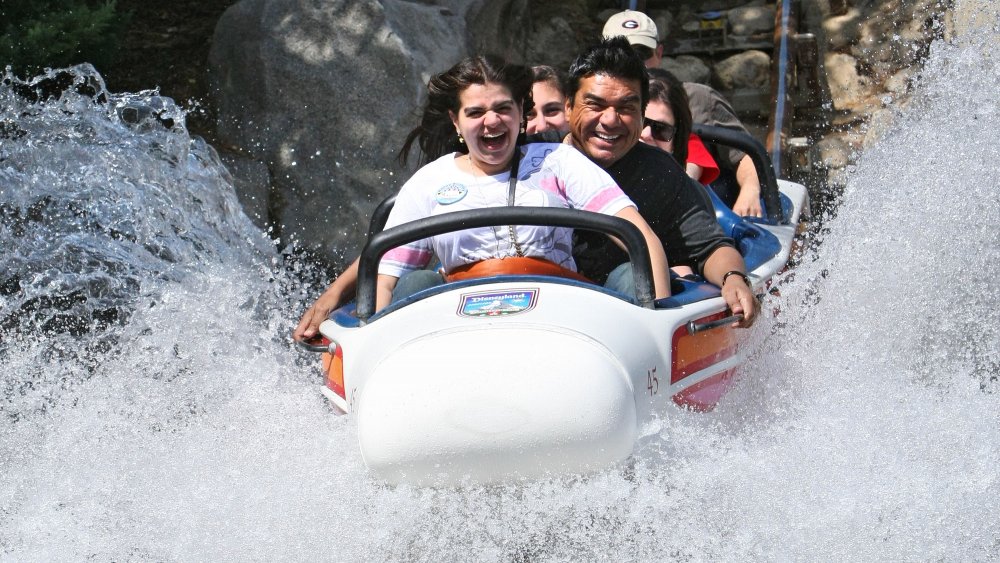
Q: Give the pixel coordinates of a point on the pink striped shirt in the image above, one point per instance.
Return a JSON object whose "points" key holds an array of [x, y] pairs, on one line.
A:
{"points": [[549, 175]]}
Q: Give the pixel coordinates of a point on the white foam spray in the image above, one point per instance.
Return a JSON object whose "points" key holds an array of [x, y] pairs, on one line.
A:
{"points": [[866, 426]]}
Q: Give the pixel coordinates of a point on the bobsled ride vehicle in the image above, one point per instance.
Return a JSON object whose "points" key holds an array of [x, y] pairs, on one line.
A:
{"points": [[523, 376]]}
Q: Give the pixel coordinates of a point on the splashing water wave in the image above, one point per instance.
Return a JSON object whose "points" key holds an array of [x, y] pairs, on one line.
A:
{"points": [[865, 427]]}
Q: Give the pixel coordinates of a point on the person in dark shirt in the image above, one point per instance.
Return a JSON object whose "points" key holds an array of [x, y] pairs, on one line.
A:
{"points": [[607, 92], [678, 214], [738, 185]]}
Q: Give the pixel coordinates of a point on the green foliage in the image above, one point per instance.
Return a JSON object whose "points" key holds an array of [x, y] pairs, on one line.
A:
{"points": [[59, 33]]}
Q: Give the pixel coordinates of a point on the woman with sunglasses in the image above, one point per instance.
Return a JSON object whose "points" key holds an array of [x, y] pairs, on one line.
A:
{"points": [[471, 143], [668, 126], [671, 131]]}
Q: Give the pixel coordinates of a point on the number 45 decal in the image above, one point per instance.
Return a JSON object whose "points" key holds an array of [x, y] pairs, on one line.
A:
{"points": [[652, 383]]}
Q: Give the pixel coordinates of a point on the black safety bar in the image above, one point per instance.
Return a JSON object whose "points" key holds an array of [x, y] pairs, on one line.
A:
{"points": [[381, 215], [761, 162], [380, 243]]}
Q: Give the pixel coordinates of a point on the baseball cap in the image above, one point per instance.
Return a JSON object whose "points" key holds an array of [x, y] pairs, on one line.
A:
{"points": [[637, 27]]}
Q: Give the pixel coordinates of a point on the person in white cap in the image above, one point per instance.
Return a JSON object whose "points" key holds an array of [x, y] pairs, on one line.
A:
{"points": [[641, 32], [738, 185]]}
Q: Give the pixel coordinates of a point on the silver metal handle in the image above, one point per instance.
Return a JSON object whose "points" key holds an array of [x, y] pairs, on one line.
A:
{"points": [[695, 328], [315, 345]]}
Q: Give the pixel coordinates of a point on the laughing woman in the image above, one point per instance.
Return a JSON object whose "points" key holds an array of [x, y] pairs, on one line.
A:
{"points": [[470, 143]]}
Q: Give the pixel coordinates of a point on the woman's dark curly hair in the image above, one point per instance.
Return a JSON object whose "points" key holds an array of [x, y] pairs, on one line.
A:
{"points": [[436, 133]]}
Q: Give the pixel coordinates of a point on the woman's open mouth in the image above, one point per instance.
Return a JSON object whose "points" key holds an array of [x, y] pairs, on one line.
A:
{"points": [[493, 141]]}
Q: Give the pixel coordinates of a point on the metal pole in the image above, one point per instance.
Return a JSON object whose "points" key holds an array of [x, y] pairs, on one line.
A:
{"points": [[779, 85]]}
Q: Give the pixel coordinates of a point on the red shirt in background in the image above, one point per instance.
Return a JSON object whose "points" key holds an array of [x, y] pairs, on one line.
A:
{"points": [[698, 154]]}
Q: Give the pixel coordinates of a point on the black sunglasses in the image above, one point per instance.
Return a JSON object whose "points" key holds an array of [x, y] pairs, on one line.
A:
{"points": [[661, 131]]}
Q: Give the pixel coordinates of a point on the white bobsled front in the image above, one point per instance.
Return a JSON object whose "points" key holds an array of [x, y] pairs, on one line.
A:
{"points": [[524, 376], [533, 400]]}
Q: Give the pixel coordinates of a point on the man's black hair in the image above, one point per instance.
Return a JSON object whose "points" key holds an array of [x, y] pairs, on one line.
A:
{"points": [[614, 57]]}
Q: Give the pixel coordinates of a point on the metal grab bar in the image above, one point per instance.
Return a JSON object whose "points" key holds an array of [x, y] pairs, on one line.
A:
{"points": [[695, 328], [315, 344], [381, 215]]}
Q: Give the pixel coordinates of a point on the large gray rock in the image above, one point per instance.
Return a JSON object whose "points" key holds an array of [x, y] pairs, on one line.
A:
{"points": [[847, 87], [834, 152], [749, 69], [751, 19], [664, 22], [896, 33], [842, 31], [555, 32], [252, 182], [324, 91], [553, 43], [688, 68]]}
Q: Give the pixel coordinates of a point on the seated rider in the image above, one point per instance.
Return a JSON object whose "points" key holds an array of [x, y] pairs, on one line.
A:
{"points": [[468, 137], [668, 126], [738, 185], [547, 88], [549, 112], [607, 92]]}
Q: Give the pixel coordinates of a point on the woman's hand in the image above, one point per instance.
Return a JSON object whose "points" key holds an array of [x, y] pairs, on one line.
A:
{"points": [[332, 298], [319, 311]]}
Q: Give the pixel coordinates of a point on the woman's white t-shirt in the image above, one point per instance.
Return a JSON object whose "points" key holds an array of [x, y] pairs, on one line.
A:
{"points": [[549, 175]]}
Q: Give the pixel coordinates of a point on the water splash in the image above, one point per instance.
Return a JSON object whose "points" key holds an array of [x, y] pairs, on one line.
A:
{"points": [[103, 198], [865, 428]]}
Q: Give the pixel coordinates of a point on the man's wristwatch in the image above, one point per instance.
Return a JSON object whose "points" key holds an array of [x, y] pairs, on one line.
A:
{"points": [[746, 279]]}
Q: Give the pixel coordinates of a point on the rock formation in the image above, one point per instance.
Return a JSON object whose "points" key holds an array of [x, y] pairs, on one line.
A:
{"points": [[314, 97], [323, 92]]}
